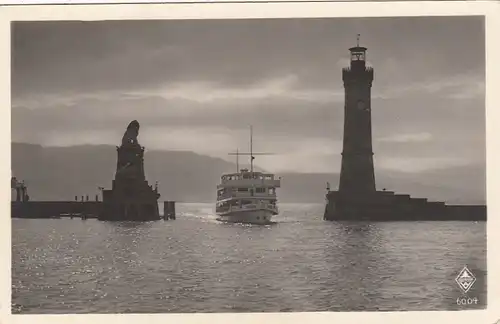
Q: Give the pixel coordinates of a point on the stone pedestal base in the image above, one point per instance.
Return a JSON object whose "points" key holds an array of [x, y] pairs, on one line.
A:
{"points": [[130, 201], [382, 206], [138, 207]]}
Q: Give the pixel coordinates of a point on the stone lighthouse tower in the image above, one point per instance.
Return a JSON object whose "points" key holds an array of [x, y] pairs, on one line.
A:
{"points": [[357, 198], [357, 173], [356, 192]]}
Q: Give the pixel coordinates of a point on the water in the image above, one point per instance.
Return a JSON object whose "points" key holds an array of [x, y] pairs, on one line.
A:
{"points": [[196, 264]]}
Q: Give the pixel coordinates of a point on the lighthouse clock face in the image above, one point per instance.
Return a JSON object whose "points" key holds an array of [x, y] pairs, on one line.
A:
{"points": [[362, 105]]}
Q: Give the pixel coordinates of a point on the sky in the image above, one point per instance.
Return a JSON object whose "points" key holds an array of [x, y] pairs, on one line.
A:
{"points": [[198, 85]]}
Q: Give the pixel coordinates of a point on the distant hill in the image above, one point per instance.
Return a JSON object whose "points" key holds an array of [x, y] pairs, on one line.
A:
{"points": [[60, 173], [462, 185]]}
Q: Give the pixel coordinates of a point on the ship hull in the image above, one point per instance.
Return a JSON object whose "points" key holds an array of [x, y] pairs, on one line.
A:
{"points": [[256, 216]]}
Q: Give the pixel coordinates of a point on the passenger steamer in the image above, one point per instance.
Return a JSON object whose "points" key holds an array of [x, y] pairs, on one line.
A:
{"points": [[247, 196]]}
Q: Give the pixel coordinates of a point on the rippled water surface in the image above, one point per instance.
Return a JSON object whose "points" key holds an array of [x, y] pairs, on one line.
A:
{"points": [[196, 264]]}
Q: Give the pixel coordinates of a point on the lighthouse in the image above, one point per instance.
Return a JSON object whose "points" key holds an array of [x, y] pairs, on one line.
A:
{"points": [[357, 198], [357, 176]]}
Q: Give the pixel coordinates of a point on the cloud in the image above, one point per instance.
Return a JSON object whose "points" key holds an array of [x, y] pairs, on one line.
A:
{"points": [[185, 116], [472, 90], [86, 57], [296, 154], [77, 137], [198, 85], [405, 138], [458, 86], [285, 87], [417, 165], [209, 140]]}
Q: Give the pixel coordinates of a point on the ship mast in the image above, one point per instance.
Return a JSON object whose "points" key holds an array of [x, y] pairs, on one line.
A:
{"points": [[237, 161], [252, 154], [251, 149]]}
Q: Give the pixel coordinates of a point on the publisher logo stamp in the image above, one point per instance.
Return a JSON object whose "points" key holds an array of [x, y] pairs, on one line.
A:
{"points": [[465, 279]]}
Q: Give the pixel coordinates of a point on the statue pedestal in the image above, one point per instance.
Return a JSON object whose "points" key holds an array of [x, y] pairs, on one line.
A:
{"points": [[127, 203], [130, 198]]}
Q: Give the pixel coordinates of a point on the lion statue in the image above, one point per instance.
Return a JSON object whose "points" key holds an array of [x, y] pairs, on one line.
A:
{"points": [[130, 136]]}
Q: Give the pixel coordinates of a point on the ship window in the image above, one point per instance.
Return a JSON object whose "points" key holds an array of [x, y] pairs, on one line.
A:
{"points": [[258, 217], [242, 189], [262, 190]]}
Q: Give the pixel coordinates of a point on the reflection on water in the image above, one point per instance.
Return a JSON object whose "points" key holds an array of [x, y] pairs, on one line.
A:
{"points": [[359, 245], [196, 264]]}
